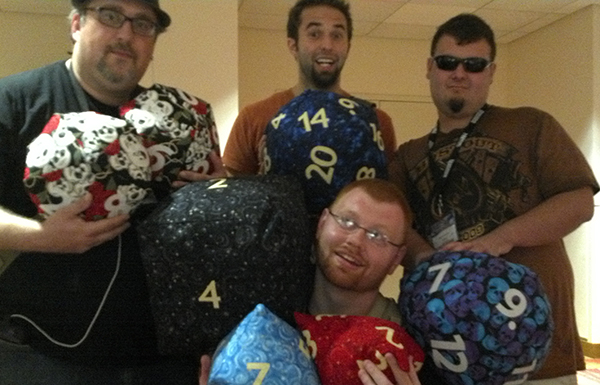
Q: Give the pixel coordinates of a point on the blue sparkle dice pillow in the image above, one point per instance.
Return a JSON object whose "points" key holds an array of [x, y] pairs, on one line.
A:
{"points": [[326, 140], [263, 349], [480, 318]]}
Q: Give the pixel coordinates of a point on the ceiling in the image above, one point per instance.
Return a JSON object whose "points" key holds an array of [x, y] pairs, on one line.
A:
{"points": [[394, 19], [418, 19]]}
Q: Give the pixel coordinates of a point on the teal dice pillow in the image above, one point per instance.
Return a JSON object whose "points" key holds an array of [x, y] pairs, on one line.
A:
{"points": [[263, 349]]}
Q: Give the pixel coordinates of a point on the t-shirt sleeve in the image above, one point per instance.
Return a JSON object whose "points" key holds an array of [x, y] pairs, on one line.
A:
{"points": [[561, 164]]}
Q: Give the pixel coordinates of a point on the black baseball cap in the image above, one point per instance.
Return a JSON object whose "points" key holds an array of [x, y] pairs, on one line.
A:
{"points": [[164, 20]]}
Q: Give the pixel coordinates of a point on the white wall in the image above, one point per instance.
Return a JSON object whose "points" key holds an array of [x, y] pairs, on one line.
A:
{"points": [[556, 69]]}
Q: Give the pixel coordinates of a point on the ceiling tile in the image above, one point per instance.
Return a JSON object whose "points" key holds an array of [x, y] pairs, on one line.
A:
{"points": [[374, 10], [507, 20], [546, 6], [426, 14]]}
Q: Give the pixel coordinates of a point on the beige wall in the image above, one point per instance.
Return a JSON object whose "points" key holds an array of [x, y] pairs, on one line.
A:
{"points": [[557, 69]]}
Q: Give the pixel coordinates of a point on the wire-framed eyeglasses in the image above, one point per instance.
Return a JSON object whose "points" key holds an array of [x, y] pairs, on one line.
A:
{"points": [[115, 19], [350, 225]]}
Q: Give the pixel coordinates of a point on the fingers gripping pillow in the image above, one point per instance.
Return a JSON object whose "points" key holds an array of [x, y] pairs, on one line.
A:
{"points": [[482, 320], [326, 140], [340, 344], [263, 349], [80, 152], [179, 131], [215, 249]]}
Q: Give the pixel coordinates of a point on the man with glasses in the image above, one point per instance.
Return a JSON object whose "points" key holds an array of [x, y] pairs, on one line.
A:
{"points": [[508, 182], [360, 240], [78, 331]]}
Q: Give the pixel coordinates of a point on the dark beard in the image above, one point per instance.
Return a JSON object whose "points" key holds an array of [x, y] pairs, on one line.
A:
{"points": [[324, 81], [456, 105]]}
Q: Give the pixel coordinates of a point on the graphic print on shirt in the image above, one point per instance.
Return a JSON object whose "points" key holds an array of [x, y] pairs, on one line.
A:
{"points": [[479, 187]]}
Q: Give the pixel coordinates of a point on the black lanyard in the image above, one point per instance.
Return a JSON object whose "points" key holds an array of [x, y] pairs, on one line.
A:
{"points": [[442, 181]]}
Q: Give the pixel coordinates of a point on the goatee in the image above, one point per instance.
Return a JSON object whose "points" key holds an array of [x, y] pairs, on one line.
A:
{"points": [[456, 105]]}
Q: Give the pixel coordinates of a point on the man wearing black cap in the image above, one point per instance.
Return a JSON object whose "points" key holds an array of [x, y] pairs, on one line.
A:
{"points": [[74, 305]]}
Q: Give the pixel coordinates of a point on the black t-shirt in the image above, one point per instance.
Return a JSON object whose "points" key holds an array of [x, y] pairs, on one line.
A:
{"points": [[61, 293]]}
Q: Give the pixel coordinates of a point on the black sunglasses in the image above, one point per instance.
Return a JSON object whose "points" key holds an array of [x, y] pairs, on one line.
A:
{"points": [[470, 64]]}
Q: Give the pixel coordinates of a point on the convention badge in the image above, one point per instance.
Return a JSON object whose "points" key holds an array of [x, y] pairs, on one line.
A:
{"points": [[444, 231]]}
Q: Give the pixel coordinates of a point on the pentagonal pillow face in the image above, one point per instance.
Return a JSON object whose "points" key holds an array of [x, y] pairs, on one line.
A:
{"points": [[339, 345], [482, 319], [215, 249], [326, 140], [80, 152], [263, 349]]}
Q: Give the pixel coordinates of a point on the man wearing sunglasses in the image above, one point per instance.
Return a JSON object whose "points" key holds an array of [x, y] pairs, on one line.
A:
{"points": [[84, 333], [509, 182]]}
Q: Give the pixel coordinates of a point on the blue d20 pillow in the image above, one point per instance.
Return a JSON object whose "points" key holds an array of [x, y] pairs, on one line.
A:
{"points": [[481, 319], [263, 349], [326, 140]]}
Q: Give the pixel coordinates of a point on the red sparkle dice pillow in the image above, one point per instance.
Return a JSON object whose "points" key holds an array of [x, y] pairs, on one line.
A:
{"points": [[340, 344]]}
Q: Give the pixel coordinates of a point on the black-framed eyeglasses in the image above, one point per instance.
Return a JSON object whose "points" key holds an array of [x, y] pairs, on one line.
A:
{"points": [[470, 64], [350, 225], [115, 19]]}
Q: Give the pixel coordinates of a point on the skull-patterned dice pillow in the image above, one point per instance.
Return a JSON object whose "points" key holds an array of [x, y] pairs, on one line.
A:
{"points": [[326, 140], [263, 349], [340, 344], [481, 319], [81, 152], [178, 130]]}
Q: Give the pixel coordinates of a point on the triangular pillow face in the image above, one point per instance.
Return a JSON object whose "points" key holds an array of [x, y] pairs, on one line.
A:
{"points": [[340, 344], [263, 349], [86, 151]]}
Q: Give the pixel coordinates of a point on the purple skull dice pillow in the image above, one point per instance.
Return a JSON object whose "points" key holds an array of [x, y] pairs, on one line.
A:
{"points": [[481, 319], [122, 162], [81, 152]]}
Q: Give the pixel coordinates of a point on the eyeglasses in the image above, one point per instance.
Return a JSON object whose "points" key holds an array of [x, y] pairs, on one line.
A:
{"points": [[470, 64], [116, 19], [374, 236]]}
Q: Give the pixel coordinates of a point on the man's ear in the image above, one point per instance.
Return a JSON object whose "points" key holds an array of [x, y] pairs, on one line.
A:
{"points": [[397, 259], [430, 65], [293, 47], [76, 24]]}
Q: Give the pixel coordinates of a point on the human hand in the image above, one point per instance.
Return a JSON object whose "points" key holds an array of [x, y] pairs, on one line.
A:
{"points": [[186, 177], [67, 232], [489, 244], [204, 370], [370, 374]]}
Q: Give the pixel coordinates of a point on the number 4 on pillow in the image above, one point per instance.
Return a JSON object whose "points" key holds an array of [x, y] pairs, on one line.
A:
{"points": [[340, 344]]}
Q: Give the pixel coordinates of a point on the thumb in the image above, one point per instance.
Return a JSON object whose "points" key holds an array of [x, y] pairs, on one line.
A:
{"points": [[79, 205]]}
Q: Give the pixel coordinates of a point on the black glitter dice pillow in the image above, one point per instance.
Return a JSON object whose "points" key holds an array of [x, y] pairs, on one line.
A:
{"points": [[327, 141], [215, 249]]}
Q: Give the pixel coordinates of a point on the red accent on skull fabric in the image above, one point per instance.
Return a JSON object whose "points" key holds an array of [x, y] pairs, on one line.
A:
{"points": [[339, 345], [122, 162]]}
